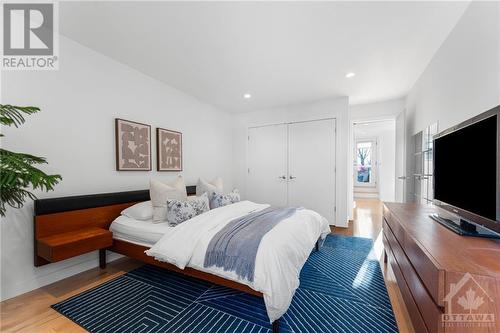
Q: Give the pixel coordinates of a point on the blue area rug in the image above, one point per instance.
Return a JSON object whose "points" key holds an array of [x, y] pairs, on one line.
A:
{"points": [[341, 290]]}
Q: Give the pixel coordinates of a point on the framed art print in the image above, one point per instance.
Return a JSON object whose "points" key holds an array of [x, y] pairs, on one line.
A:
{"points": [[169, 150], [133, 146]]}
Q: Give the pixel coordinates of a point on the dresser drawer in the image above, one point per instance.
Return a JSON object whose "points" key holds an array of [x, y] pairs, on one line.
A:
{"points": [[396, 228], [429, 311], [429, 272], [416, 319]]}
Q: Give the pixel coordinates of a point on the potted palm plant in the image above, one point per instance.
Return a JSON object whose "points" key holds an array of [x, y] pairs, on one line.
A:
{"points": [[18, 172]]}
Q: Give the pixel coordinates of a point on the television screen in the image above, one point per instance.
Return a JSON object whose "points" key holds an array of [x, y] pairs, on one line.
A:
{"points": [[465, 169]]}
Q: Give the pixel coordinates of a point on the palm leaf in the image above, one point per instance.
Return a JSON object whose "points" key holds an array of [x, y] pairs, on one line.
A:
{"points": [[13, 115], [18, 172]]}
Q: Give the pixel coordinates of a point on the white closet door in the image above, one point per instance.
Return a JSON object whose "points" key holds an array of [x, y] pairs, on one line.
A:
{"points": [[267, 164], [312, 166]]}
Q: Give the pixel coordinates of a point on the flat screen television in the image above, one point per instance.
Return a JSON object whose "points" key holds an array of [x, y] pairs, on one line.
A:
{"points": [[467, 171]]}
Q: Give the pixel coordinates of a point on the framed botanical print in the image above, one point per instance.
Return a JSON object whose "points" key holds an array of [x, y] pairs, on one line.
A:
{"points": [[133, 146], [169, 150]]}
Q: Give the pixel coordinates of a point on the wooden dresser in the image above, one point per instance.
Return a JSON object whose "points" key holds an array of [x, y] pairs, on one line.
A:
{"points": [[450, 283]]}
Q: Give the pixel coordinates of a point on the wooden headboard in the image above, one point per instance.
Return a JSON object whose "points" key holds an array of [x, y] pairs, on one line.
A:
{"points": [[59, 215]]}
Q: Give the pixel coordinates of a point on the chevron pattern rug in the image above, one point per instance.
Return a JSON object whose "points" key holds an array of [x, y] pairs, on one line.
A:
{"points": [[342, 290]]}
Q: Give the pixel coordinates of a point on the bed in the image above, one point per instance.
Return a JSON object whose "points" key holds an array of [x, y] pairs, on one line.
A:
{"points": [[280, 257], [145, 233]]}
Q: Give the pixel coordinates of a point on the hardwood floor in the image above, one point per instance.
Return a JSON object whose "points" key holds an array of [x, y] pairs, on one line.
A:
{"points": [[31, 312]]}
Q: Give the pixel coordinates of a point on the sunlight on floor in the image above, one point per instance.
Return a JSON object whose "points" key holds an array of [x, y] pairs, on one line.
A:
{"points": [[368, 218], [378, 246], [365, 222], [364, 276]]}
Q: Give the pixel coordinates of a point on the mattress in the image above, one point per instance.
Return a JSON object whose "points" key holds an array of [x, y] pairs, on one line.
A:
{"points": [[145, 233]]}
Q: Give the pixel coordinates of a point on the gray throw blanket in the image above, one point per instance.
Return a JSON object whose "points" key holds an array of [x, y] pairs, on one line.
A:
{"points": [[235, 246]]}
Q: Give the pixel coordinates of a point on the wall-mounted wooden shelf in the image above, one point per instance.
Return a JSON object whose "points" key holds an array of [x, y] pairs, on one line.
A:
{"points": [[65, 245]]}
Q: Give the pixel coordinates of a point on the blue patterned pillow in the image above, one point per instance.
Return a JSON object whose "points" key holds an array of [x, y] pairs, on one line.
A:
{"points": [[200, 203], [180, 211], [219, 200]]}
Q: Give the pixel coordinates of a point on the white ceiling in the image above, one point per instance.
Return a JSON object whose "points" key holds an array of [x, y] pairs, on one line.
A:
{"points": [[280, 52]]}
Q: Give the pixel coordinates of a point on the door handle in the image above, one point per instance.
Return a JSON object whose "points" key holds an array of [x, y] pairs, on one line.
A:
{"points": [[282, 177], [403, 177], [292, 177]]}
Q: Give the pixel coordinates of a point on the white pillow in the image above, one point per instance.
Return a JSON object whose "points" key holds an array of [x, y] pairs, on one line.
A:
{"points": [[141, 211], [209, 187], [161, 192]]}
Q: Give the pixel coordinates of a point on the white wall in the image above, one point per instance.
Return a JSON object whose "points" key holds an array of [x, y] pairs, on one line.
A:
{"points": [[377, 111], [334, 108], [75, 132], [385, 133], [463, 78]]}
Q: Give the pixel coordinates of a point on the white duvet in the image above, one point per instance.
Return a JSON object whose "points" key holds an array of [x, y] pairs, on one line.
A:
{"points": [[280, 257]]}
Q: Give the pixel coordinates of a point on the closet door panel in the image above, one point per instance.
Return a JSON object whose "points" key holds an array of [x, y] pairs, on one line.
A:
{"points": [[312, 166], [267, 164]]}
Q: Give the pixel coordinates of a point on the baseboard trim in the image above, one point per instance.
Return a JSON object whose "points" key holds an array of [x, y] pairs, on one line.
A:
{"points": [[42, 280]]}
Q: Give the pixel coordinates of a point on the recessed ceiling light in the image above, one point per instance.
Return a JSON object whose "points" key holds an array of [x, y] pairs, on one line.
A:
{"points": [[349, 75], [247, 96]]}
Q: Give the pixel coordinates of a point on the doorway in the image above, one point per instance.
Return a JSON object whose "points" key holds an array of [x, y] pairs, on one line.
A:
{"points": [[374, 160]]}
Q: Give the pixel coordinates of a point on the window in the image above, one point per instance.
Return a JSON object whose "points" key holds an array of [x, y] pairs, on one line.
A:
{"points": [[364, 162]]}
